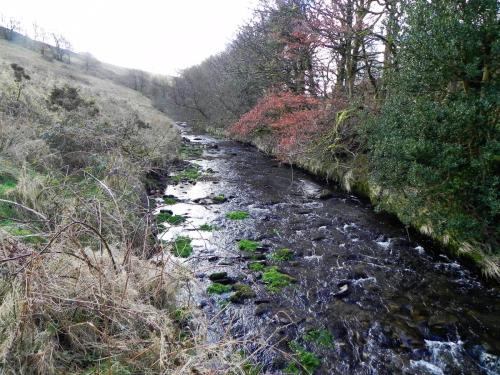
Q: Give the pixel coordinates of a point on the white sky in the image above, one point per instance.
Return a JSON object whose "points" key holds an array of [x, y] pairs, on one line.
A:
{"points": [[160, 36]]}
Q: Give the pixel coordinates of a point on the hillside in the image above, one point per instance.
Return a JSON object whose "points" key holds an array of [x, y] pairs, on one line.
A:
{"points": [[77, 149]]}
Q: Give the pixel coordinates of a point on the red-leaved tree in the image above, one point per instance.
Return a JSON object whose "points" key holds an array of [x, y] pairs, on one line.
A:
{"points": [[293, 120]]}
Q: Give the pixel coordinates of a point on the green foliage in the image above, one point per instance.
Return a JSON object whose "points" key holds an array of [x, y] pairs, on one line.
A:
{"points": [[276, 280], [182, 247], [169, 200], [308, 361], [207, 227], [319, 336], [248, 245], [241, 293], [220, 198], [25, 235], [190, 151], [237, 215], [167, 217], [217, 288], [256, 266], [438, 139], [7, 183], [282, 255], [190, 174]]}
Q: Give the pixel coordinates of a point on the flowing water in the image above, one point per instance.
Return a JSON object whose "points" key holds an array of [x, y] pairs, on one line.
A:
{"points": [[368, 298]]}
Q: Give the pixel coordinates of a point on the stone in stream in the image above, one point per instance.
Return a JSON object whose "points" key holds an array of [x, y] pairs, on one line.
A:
{"points": [[344, 289], [216, 276], [262, 309], [241, 293]]}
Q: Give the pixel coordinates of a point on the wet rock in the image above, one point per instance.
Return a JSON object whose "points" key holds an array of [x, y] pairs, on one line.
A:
{"points": [[260, 301], [344, 289], [262, 309], [358, 272], [200, 275], [216, 276], [213, 259], [318, 236], [203, 303]]}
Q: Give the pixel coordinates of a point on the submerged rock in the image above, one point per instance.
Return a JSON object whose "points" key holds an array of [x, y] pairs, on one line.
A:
{"points": [[344, 289]]}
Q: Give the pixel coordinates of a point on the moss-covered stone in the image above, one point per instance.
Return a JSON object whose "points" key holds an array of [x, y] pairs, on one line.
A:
{"points": [[276, 280], [282, 255], [237, 215], [241, 293], [248, 245]]}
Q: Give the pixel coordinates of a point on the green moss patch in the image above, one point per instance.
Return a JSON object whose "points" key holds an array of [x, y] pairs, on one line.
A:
{"points": [[256, 266], [241, 293], [276, 280], [319, 336], [167, 217], [220, 198], [190, 174], [248, 245], [207, 227], [237, 215], [169, 200], [282, 255], [182, 247], [217, 288], [307, 362], [190, 151], [6, 184]]}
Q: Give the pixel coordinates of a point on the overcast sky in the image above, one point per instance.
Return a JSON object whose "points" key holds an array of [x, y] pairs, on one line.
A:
{"points": [[161, 36]]}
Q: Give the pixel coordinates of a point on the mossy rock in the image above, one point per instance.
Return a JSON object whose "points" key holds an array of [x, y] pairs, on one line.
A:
{"points": [[217, 276], [237, 215], [241, 293], [248, 245], [256, 266], [217, 288], [276, 280], [282, 255], [168, 217]]}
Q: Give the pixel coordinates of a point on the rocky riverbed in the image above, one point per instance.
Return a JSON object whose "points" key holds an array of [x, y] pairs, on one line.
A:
{"points": [[309, 279]]}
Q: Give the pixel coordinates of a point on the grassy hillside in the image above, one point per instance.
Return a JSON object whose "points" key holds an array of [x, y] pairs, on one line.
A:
{"points": [[77, 293]]}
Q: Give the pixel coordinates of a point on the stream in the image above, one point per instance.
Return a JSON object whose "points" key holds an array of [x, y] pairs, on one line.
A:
{"points": [[360, 295]]}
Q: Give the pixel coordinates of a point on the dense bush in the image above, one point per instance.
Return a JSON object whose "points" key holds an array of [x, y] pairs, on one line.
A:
{"points": [[437, 140]]}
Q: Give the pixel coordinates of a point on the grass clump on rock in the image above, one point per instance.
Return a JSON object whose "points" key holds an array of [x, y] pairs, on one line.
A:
{"points": [[190, 174], [168, 217], [169, 200], [241, 293], [237, 215], [321, 337], [207, 227], [276, 280], [217, 288], [307, 362], [282, 255], [182, 247], [248, 245], [256, 266]]}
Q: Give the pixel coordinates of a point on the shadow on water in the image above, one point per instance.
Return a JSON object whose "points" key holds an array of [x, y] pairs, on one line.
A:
{"points": [[360, 295]]}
